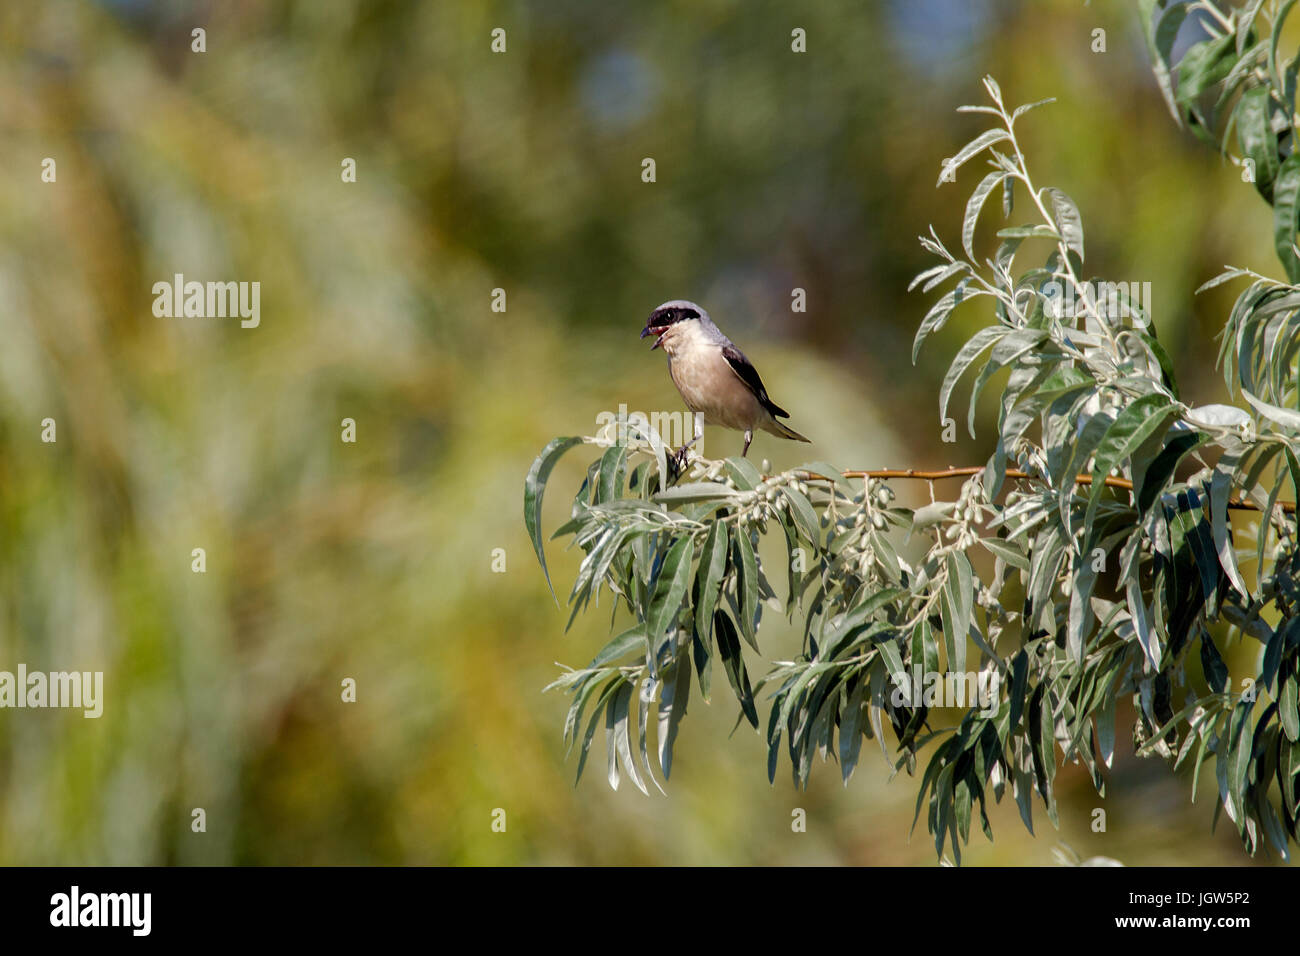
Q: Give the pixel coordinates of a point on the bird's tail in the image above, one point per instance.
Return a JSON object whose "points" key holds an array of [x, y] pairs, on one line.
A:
{"points": [[776, 428]]}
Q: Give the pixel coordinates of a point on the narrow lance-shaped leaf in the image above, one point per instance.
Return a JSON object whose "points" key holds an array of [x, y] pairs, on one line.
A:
{"points": [[1080, 616], [968, 354], [622, 735], [670, 588], [1134, 425], [959, 593], [973, 148], [534, 488], [1220, 488], [733, 663], [1286, 417], [713, 566], [973, 207], [746, 583], [1257, 139], [1069, 224], [804, 514], [612, 466], [673, 699], [1286, 205]]}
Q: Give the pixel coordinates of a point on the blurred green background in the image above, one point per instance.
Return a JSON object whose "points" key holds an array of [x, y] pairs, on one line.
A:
{"points": [[478, 170]]}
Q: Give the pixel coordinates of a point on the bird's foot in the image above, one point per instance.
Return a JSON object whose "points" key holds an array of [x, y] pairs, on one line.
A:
{"points": [[677, 462]]}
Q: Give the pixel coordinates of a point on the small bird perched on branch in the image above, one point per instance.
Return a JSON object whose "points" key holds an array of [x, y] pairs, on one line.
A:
{"points": [[715, 379]]}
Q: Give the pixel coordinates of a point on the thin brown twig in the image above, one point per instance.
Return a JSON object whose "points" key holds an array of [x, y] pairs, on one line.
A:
{"points": [[1017, 474]]}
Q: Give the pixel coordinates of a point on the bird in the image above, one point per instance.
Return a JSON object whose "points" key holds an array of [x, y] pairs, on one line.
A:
{"points": [[715, 379]]}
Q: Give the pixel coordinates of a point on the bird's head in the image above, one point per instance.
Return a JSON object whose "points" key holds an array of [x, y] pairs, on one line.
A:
{"points": [[667, 315]]}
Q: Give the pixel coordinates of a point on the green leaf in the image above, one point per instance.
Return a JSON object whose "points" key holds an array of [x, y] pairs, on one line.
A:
{"points": [[850, 730], [1160, 34], [1238, 747], [1080, 617], [1220, 489], [1147, 637], [1019, 687], [969, 352], [673, 699], [973, 207], [712, 569], [696, 491], [959, 596], [613, 464], [1192, 521], [534, 488], [1163, 360], [1150, 485], [1216, 672], [633, 639], [1257, 139], [1039, 231], [617, 724], [937, 316], [1278, 21], [1245, 20], [804, 514], [1094, 430], [1203, 65], [974, 147], [946, 273], [840, 631], [1069, 224], [1008, 350], [893, 663], [746, 583], [1286, 206], [1007, 552], [649, 687], [1026, 107], [1285, 417], [1288, 682], [670, 588], [613, 684], [734, 665], [743, 473], [1135, 424], [581, 697]]}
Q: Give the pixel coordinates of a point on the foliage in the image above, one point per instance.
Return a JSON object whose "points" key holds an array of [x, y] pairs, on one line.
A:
{"points": [[1093, 594]]}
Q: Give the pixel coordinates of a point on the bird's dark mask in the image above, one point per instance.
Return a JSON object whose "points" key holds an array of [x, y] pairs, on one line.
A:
{"points": [[661, 319]]}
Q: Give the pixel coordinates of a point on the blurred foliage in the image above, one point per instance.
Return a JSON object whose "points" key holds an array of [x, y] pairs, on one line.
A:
{"points": [[374, 560]]}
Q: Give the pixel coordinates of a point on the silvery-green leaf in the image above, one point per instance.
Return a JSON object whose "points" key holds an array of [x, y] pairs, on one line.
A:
{"points": [[1288, 418], [973, 207], [1068, 222], [1218, 415], [975, 146], [535, 488]]}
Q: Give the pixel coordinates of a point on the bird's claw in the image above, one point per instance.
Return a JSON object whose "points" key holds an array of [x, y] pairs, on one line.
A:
{"points": [[677, 462]]}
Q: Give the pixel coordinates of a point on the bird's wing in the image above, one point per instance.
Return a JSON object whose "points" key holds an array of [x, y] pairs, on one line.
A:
{"points": [[746, 372]]}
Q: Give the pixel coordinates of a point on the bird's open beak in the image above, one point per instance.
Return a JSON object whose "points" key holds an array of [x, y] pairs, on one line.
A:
{"points": [[657, 331]]}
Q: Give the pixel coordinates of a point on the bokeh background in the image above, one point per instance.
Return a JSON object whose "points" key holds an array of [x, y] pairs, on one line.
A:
{"points": [[521, 171]]}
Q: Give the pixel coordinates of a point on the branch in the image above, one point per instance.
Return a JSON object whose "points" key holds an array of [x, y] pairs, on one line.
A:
{"points": [[1015, 473]]}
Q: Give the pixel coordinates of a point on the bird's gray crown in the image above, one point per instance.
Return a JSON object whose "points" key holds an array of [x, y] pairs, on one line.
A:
{"points": [[677, 310]]}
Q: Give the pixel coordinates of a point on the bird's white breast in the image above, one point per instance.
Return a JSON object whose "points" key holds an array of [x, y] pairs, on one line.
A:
{"points": [[706, 381]]}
